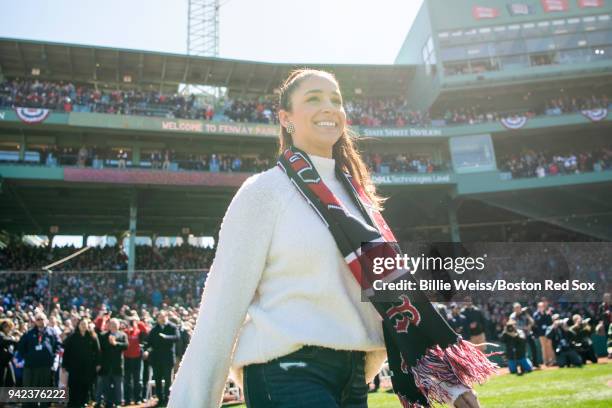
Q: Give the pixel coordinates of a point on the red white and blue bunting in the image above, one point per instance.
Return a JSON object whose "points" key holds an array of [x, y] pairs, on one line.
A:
{"points": [[514, 122], [595, 115], [32, 115]]}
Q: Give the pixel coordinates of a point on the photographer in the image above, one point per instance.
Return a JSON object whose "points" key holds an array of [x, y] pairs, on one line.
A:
{"points": [[515, 340], [582, 339], [525, 323], [562, 338]]}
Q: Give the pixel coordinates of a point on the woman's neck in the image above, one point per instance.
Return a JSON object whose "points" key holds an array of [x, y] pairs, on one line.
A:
{"points": [[326, 167], [321, 151]]}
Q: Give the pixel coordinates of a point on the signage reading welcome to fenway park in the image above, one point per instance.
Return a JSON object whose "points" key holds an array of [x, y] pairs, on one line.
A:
{"points": [[219, 128]]}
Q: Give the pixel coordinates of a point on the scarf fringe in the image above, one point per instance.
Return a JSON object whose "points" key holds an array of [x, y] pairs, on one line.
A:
{"points": [[407, 404], [458, 364]]}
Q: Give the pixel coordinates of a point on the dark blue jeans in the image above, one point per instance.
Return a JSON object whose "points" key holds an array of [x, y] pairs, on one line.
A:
{"points": [[310, 377]]}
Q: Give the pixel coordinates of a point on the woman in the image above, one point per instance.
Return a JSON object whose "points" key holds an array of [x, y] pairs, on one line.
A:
{"points": [[8, 345], [81, 361], [308, 339]]}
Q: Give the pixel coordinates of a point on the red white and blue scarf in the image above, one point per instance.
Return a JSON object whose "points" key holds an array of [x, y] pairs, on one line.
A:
{"points": [[422, 349]]}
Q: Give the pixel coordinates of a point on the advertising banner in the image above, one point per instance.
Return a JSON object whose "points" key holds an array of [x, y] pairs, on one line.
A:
{"points": [[555, 5], [480, 12]]}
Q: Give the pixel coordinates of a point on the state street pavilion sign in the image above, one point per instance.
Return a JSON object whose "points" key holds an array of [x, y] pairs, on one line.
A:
{"points": [[399, 132]]}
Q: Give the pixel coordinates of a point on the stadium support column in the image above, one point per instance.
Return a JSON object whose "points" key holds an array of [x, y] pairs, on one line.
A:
{"points": [[132, 238], [453, 206], [22, 147], [136, 155]]}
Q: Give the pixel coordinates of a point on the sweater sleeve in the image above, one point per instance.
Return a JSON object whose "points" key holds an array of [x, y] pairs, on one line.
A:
{"points": [[244, 239]]}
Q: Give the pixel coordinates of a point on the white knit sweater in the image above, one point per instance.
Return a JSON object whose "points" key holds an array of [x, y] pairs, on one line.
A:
{"points": [[278, 282]]}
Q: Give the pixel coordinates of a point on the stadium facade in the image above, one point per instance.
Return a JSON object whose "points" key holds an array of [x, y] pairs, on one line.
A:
{"points": [[507, 59]]}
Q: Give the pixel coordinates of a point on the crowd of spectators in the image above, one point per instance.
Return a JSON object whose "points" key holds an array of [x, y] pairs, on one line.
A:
{"points": [[361, 111], [387, 112], [163, 296], [541, 164], [110, 357], [102, 275], [404, 163], [167, 159], [69, 97], [176, 274], [572, 104], [262, 110], [98, 157]]}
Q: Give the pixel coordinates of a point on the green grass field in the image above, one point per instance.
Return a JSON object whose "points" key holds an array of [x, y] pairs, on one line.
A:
{"points": [[587, 387]]}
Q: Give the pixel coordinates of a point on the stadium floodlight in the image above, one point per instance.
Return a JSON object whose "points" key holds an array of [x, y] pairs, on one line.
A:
{"points": [[202, 35], [203, 28]]}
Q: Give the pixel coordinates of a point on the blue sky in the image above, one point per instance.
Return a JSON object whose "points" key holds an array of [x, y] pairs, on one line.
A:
{"points": [[312, 31]]}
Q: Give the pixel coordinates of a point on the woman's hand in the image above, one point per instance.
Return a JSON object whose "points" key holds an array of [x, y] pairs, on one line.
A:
{"points": [[467, 400]]}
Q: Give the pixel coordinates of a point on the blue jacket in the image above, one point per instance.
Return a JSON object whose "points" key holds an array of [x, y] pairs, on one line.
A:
{"points": [[39, 348]]}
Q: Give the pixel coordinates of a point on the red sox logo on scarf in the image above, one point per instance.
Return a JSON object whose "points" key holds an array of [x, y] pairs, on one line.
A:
{"points": [[303, 167], [408, 315]]}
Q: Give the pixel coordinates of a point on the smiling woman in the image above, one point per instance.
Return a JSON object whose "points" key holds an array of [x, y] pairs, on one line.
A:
{"points": [[282, 310], [313, 119]]}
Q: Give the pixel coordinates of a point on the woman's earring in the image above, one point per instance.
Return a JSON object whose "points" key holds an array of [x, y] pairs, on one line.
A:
{"points": [[290, 128]]}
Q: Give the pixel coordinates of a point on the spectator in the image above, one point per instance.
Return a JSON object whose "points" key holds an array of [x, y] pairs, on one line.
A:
{"points": [[542, 321], [458, 321], [604, 313], [82, 158], [156, 160], [161, 351], [166, 164], [475, 322], [122, 157], [7, 349], [112, 343], [146, 365], [38, 347], [81, 360], [132, 386]]}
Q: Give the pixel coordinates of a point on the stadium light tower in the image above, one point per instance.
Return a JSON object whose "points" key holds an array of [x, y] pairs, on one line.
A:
{"points": [[203, 28], [202, 36]]}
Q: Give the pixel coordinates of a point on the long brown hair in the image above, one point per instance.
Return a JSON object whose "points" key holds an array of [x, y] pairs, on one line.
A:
{"points": [[344, 151]]}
